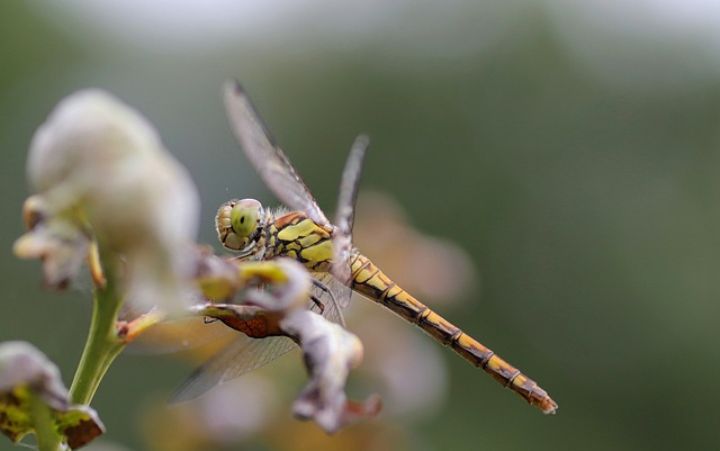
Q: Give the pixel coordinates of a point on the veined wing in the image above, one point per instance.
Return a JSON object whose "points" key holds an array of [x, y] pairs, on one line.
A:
{"points": [[246, 354], [344, 217], [241, 356], [333, 295], [266, 156], [180, 335]]}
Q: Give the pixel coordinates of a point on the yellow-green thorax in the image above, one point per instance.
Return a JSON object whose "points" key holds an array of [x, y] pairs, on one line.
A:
{"points": [[296, 236]]}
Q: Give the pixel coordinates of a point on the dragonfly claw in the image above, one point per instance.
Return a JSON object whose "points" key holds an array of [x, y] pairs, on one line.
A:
{"points": [[318, 303]]}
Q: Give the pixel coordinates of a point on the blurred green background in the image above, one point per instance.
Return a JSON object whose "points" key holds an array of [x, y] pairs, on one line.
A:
{"points": [[572, 148]]}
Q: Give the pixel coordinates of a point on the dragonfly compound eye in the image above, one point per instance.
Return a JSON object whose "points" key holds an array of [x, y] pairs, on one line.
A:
{"points": [[237, 223], [244, 217]]}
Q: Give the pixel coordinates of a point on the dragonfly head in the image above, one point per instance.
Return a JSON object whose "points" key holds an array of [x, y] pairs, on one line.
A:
{"points": [[239, 225]]}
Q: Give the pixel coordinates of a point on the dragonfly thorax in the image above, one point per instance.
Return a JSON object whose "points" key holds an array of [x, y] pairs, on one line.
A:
{"points": [[240, 224]]}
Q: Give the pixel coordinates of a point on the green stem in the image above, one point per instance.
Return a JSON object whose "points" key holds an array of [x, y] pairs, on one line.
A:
{"points": [[48, 438], [103, 343]]}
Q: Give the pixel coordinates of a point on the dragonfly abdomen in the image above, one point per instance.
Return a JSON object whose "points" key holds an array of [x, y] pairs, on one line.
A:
{"points": [[370, 281]]}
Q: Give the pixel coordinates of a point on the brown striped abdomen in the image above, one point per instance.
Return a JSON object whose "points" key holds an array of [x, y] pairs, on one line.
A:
{"points": [[368, 280]]}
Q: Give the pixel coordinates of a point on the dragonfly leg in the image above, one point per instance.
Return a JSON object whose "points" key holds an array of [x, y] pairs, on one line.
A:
{"points": [[318, 303], [324, 288]]}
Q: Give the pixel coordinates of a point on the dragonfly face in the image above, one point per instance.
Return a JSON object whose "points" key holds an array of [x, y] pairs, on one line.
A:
{"points": [[240, 224]]}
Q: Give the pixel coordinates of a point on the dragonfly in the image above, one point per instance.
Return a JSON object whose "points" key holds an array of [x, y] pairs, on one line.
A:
{"points": [[305, 234], [330, 292]]}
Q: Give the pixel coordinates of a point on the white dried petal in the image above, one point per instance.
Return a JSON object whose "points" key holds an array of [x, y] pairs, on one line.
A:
{"points": [[23, 364], [99, 162], [60, 245], [26, 372], [330, 352], [283, 295]]}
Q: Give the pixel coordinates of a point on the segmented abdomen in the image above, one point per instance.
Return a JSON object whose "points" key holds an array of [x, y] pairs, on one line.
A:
{"points": [[370, 281]]}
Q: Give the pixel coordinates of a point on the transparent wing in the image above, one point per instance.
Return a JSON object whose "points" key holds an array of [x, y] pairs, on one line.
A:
{"points": [[332, 294], [345, 214], [246, 354], [241, 356], [267, 158], [182, 334]]}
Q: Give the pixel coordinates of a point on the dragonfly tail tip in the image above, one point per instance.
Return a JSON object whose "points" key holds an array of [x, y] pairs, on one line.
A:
{"points": [[549, 408]]}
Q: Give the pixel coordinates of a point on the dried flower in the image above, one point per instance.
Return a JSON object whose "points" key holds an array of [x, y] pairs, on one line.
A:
{"points": [[26, 375], [56, 240], [330, 352], [101, 173]]}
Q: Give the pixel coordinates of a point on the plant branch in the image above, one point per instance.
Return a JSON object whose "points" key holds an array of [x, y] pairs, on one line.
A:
{"points": [[103, 343], [48, 438]]}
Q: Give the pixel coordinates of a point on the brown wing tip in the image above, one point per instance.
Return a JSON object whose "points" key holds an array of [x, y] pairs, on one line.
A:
{"points": [[237, 98]]}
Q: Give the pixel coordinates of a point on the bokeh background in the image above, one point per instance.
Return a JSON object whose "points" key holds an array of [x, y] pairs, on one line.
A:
{"points": [[571, 149]]}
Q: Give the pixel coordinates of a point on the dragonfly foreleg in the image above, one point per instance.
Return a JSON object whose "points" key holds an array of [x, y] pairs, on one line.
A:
{"points": [[318, 303], [324, 288]]}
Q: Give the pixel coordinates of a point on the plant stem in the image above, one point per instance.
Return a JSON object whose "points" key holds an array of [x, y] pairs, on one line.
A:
{"points": [[103, 343], [48, 438]]}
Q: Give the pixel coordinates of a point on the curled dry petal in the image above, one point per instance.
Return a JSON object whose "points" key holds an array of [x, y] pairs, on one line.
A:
{"points": [[267, 288], [57, 241], [330, 352], [100, 166], [217, 277], [23, 364], [25, 373], [286, 284], [278, 285]]}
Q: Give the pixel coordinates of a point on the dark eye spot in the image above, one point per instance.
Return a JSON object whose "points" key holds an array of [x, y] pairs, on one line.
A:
{"points": [[242, 219]]}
